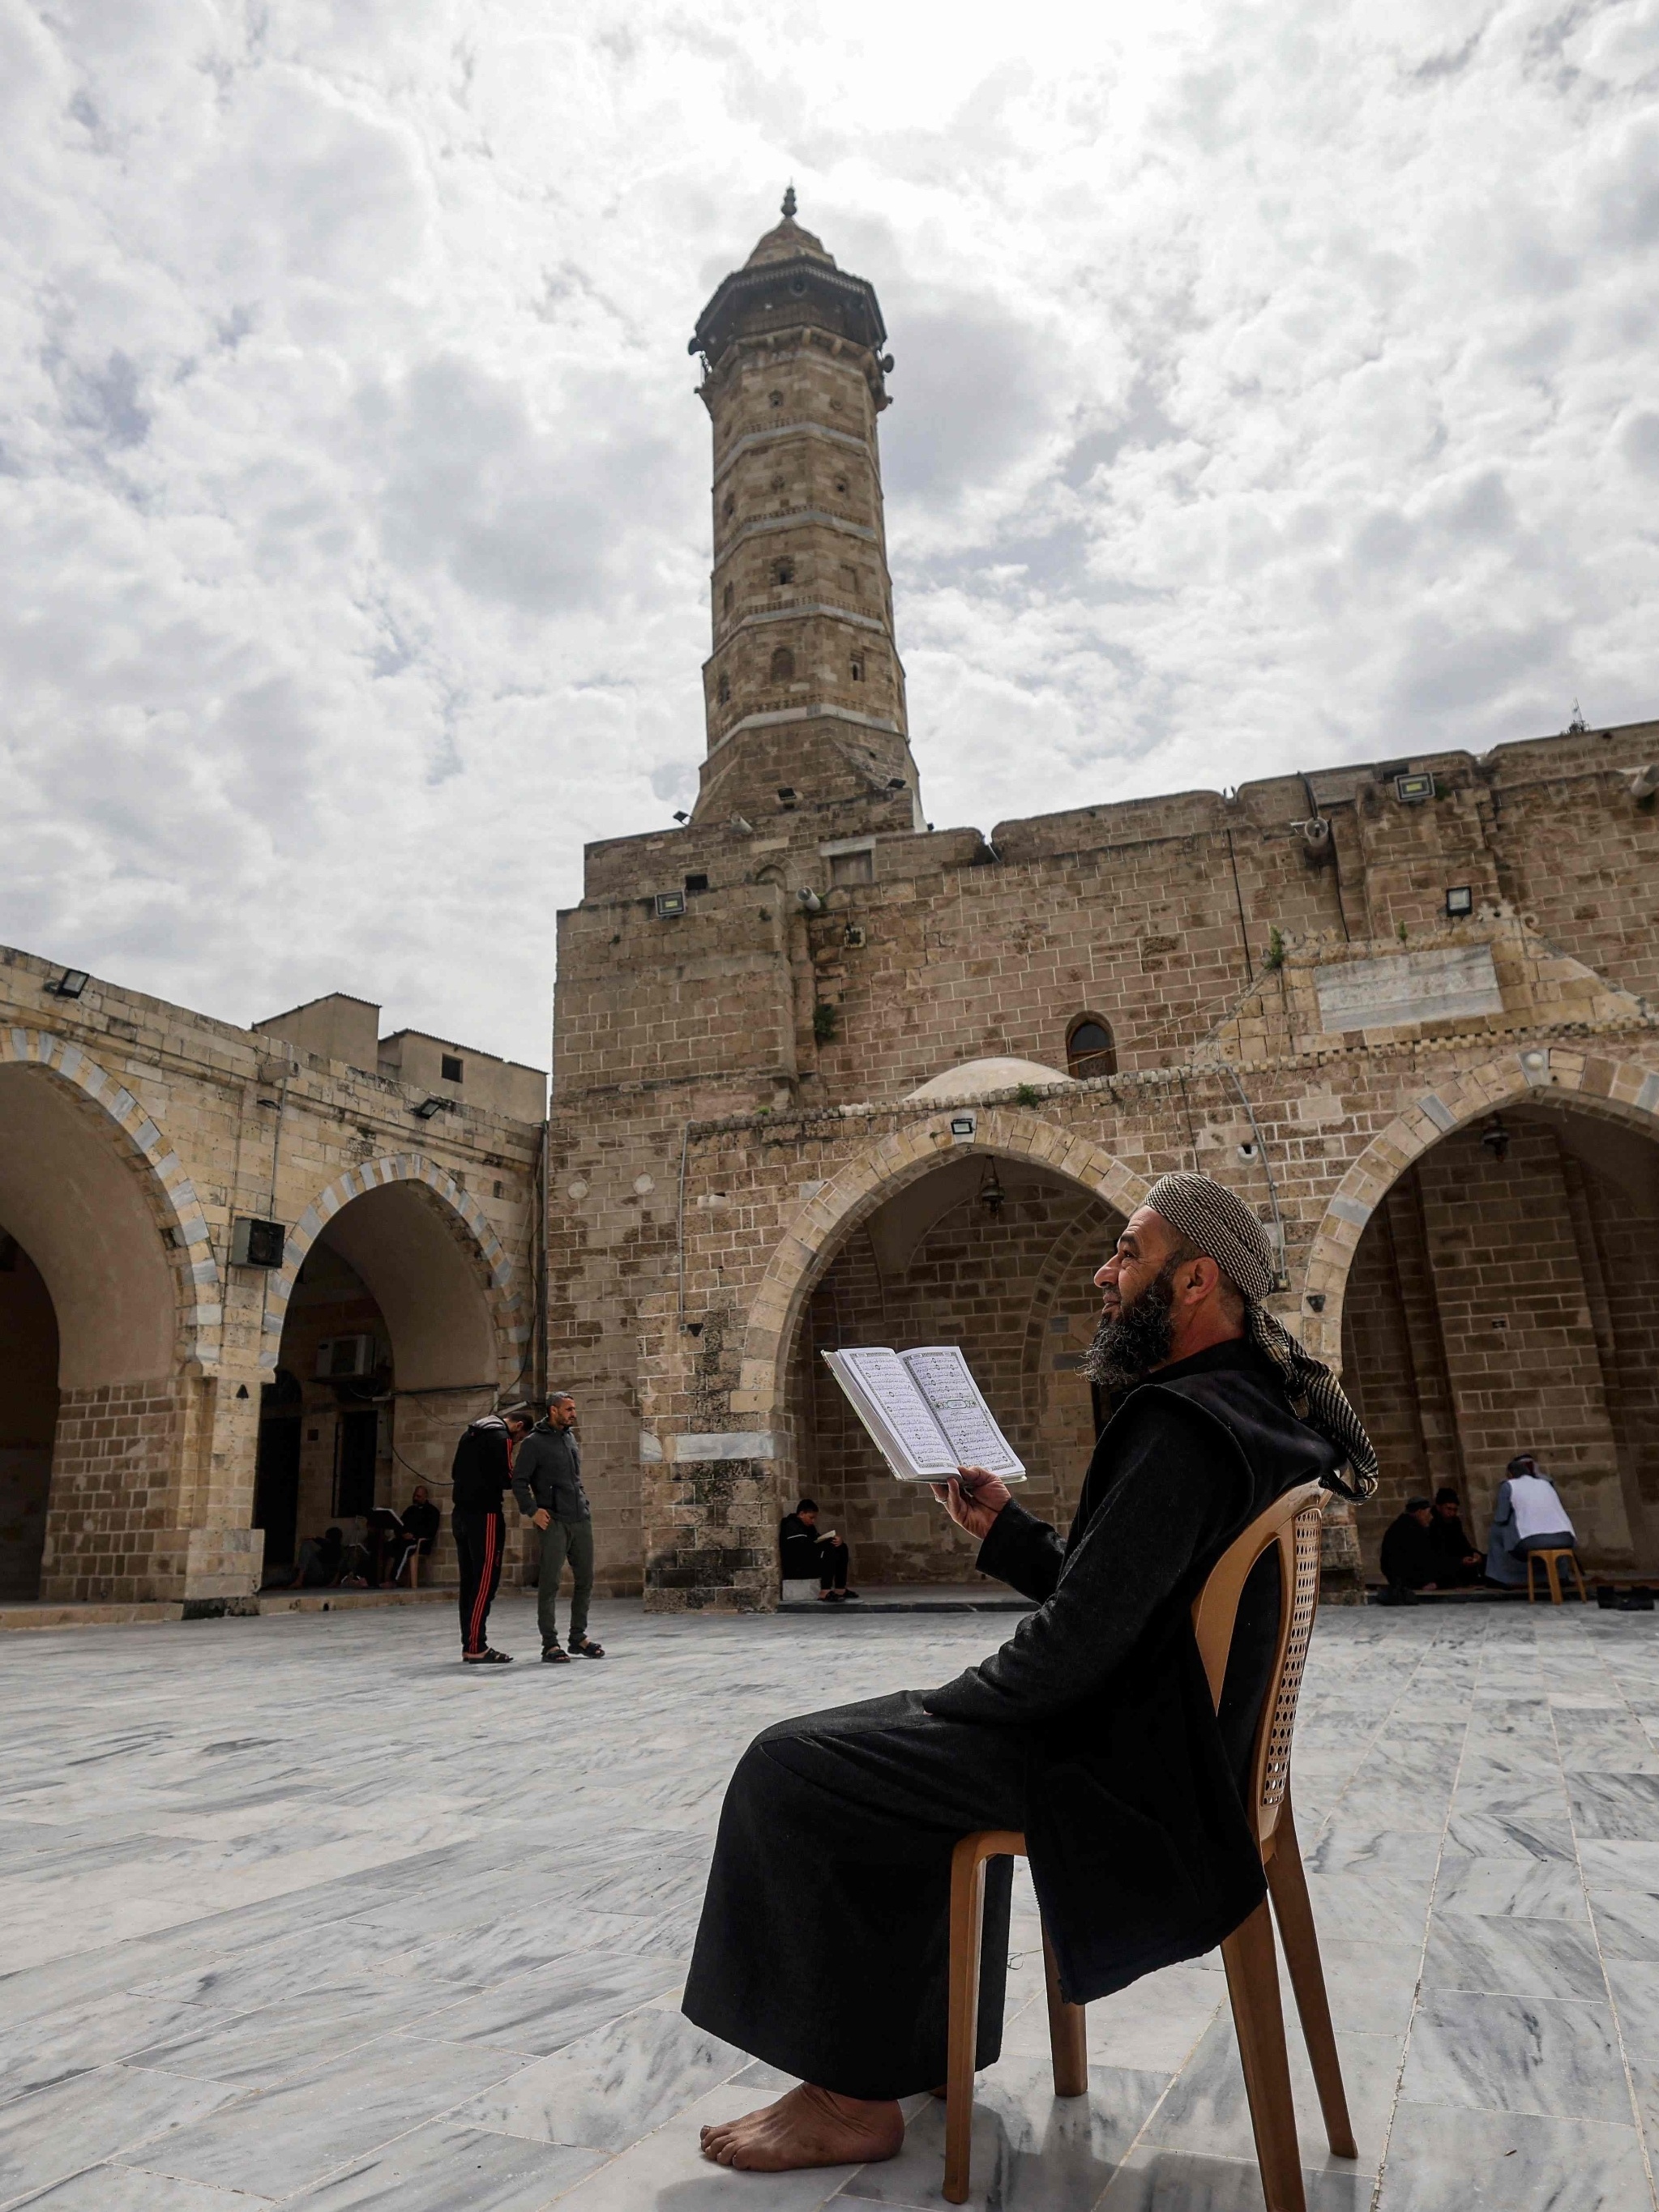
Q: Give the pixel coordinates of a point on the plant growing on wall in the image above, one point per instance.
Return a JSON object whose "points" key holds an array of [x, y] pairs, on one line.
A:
{"points": [[826, 1022], [1275, 956]]}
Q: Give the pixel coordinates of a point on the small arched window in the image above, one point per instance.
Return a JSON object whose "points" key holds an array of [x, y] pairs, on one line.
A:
{"points": [[858, 668], [783, 665], [777, 483], [841, 485], [783, 572], [1089, 1047], [775, 400], [730, 507], [726, 598], [723, 690]]}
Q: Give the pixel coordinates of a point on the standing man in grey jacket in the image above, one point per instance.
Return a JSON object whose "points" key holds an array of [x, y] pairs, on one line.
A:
{"points": [[547, 1482]]}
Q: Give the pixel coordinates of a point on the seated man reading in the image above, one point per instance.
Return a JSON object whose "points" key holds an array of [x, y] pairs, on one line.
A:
{"points": [[420, 1519], [808, 1554], [1092, 1729]]}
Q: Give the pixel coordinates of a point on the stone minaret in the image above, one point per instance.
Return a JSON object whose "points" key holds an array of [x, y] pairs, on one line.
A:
{"points": [[804, 690]]}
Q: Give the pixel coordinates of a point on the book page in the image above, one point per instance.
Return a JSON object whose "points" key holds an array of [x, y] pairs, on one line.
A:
{"points": [[882, 1394], [946, 1380]]}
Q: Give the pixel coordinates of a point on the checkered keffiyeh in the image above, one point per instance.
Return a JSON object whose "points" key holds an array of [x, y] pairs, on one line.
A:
{"points": [[1217, 1222]]}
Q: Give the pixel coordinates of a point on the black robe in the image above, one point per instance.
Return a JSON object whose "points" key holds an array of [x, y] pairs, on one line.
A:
{"points": [[1409, 1556], [823, 1942]]}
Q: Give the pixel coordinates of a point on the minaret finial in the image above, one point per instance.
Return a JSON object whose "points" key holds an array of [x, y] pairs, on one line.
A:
{"points": [[789, 199]]}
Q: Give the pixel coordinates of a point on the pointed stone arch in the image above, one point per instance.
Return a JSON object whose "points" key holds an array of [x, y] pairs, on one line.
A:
{"points": [[468, 1221], [170, 1194], [1624, 1089], [877, 1172]]}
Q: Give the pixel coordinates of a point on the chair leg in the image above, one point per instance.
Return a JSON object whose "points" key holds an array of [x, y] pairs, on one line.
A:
{"points": [[966, 1926], [1532, 1561], [1551, 1569], [1253, 1985], [1069, 2035], [1578, 1576], [1287, 1885]]}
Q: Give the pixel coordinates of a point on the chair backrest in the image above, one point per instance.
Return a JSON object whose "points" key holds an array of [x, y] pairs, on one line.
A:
{"points": [[1290, 1524]]}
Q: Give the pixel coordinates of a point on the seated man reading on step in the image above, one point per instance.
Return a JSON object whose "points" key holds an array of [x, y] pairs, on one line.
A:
{"points": [[1092, 1729]]}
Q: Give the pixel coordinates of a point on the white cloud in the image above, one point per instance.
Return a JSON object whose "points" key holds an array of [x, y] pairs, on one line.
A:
{"points": [[1274, 388]]}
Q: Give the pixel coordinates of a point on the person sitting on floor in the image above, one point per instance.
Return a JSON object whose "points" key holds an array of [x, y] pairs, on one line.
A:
{"points": [[1409, 1559], [1528, 1517], [1092, 1729], [1457, 1564], [321, 1560], [809, 1553]]}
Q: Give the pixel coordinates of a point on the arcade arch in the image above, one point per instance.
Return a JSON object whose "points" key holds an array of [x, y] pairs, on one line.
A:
{"points": [[992, 1245], [386, 1336], [103, 1264], [1503, 1295]]}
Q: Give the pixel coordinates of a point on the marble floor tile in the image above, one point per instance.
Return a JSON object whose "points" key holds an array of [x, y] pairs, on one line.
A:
{"points": [[1627, 1923], [665, 2171], [1371, 1987], [1615, 1805], [272, 2142], [1154, 2180], [448, 2167], [1208, 2112], [1516, 2054], [1533, 1889], [1030, 2148], [1506, 1956], [53, 2133], [123, 2189], [1442, 2160], [616, 2084], [1373, 1908], [1153, 2027], [1348, 1846], [1475, 1834], [257, 2049], [1619, 1862], [541, 2012]]}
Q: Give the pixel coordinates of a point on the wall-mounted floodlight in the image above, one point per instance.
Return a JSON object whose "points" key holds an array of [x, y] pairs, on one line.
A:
{"points": [[1460, 900], [1412, 790], [682, 816], [670, 903], [256, 1244], [429, 1107], [70, 983]]}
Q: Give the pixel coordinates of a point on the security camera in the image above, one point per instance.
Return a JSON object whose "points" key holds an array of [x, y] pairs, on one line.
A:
{"points": [[810, 900], [1643, 782], [1247, 1151]]}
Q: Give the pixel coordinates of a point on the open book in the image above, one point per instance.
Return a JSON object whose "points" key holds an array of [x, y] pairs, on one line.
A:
{"points": [[924, 1411]]}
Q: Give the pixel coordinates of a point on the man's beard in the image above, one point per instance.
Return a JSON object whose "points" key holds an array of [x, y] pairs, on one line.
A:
{"points": [[1138, 1338]]}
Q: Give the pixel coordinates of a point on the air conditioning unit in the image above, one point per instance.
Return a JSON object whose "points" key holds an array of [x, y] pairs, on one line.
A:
{"points": [[339, 1356]]}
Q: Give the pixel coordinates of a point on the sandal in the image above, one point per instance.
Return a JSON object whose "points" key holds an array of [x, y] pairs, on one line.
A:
{"points": [[588, 1650], [486, 1658]]}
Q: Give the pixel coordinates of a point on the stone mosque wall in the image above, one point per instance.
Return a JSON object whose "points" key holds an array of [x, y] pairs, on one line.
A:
{"points": [[151, 1367], [1403, 1008]]}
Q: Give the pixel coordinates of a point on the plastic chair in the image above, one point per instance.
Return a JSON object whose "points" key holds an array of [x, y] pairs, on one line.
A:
{"points": [[1290, 1524], [1552, 1556]]}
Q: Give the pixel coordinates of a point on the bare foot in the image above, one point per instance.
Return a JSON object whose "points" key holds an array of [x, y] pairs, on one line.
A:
{"points": [[809, 2127]]}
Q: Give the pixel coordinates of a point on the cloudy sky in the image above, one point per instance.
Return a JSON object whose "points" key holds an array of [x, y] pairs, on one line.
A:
{"points": [[1276, 386]]}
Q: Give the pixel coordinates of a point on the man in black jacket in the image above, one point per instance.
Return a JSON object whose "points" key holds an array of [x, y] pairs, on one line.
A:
{"points": [[1092, 1728], [547, 1481], [482, 1469]]}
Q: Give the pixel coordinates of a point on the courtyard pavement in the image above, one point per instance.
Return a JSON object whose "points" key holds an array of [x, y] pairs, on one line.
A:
{"points": [[296, 1912]]}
